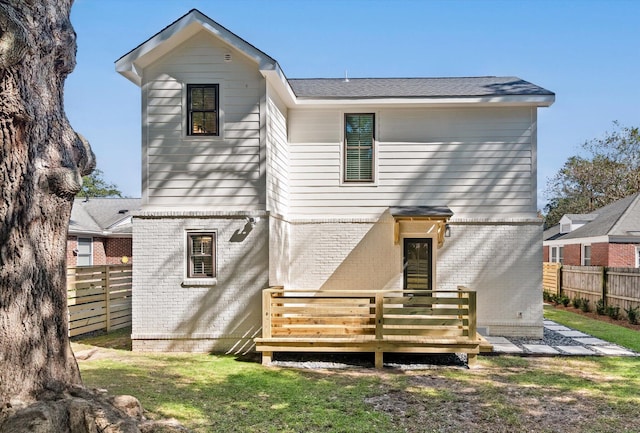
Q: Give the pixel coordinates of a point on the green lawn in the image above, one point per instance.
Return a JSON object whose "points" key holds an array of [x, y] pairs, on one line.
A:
{"points": [[209, 393]]}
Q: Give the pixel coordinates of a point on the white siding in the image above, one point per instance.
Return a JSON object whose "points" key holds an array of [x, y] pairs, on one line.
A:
{"points": [[204, 172], [277, 156], [479, 161]]}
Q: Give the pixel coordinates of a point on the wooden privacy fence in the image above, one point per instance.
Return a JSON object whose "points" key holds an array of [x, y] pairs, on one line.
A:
{"points": [[419, 321], [617, 287], [551, 278], [98, 298]]}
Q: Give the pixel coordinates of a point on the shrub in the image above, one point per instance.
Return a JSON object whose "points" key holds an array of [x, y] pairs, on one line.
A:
{"points": [[613, 312], [576, 302], [564, 300], [632, 315], [584, 305], [551, 297], [601, 309]]}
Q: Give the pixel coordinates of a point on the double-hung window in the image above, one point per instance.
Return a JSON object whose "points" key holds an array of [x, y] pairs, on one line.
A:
{"points": [[586, 255], [85, 252], [201, 255], [358, 151], [203, 109], [556, 254]]}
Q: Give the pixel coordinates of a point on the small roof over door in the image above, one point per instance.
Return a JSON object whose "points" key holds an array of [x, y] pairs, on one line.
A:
{"points": [[433, 218], [436, 212]]}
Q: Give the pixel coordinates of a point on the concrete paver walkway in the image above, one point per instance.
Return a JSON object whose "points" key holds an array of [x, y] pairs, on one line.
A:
{"points": [[582, 344]]}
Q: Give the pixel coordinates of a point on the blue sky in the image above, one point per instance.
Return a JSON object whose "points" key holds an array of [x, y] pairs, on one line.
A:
{"points": [[586, 51]]}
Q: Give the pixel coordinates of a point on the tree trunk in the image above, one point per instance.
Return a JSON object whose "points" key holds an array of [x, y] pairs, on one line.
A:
{"points": [[42, 161]]}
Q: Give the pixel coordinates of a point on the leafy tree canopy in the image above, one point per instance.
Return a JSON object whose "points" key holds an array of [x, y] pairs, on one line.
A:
{"points": [[94, 185], [609, 171]]}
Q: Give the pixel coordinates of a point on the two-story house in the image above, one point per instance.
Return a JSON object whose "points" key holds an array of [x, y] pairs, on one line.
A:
{"points": [[251, 179]]}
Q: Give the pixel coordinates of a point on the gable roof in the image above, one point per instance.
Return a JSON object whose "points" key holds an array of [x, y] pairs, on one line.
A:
{"points": [[460, 90], [551, 233], [618, 219], [131, 64], [102, 216]]}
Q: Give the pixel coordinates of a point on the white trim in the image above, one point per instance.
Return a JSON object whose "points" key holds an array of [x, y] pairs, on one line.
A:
{"points": [[190, 281], [91, 249], [133, 63], [583, 254], [637, 256], [185, 112], [593, 240], [510, 100], [343, 157]]}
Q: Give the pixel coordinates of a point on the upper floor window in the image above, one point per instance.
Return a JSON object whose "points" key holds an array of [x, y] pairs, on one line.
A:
{"points": [[203, 113], [201, 255], [358, 140]]}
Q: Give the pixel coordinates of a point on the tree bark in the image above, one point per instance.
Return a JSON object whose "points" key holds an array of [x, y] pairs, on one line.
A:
{"points": [[42, 161]]}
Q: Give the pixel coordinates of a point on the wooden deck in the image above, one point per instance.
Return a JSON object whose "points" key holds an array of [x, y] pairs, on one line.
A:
{"points": [[416, 321]]}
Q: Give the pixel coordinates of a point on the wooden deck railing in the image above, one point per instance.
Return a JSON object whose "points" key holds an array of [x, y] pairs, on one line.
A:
{"points": [[419, 321]]}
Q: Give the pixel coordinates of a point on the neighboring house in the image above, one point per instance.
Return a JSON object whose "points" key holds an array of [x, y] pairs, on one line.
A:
{"points": [[609, 236], [100, 231], [251, 180]]}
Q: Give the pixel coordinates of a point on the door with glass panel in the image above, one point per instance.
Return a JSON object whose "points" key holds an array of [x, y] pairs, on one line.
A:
{"points": [[418, 257]]}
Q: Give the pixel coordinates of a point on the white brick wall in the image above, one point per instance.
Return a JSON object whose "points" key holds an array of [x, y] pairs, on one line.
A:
{"points": [[502, 261], [344, 255], [221, 317]]}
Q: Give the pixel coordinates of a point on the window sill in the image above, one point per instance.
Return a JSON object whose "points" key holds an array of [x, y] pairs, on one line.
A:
{"points": [[199, 282], [360, 184]]}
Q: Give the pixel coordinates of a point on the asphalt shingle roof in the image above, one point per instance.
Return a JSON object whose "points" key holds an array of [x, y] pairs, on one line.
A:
{"points": [[414, 87], [620, 218], [99, 214]]}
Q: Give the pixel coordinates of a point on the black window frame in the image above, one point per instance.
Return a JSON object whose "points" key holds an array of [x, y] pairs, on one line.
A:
{"points": [[191, 255], [405, 257], [348, 147], [191, 111]]}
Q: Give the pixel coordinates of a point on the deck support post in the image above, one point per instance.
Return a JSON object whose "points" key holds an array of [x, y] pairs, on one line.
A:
{"points": [[379, 363], [472, 358], [267, 357]]}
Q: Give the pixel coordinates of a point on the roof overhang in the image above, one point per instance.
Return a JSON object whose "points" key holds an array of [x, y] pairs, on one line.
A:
{"points": [[511, 100], [133, 63], [431, 219]]}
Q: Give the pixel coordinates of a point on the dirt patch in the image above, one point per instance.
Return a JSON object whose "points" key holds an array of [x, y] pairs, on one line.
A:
{"points": [[493, 400]]}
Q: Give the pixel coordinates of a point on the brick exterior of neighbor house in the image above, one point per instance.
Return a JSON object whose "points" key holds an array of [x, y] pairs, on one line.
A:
{"points": [[107, 222], [572, 255], [612, 233]]}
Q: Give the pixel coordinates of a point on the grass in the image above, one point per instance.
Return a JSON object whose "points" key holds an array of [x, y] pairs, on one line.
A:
{"points": [[220, 393], [210, 393], [606, 331]]}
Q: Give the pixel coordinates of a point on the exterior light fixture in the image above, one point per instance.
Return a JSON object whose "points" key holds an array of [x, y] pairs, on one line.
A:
{"points": [[447, 231]]}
